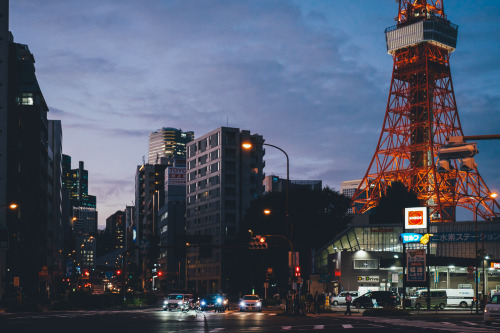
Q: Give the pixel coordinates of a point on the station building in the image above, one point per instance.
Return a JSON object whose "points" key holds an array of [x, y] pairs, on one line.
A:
{"points": [[368, 257]]}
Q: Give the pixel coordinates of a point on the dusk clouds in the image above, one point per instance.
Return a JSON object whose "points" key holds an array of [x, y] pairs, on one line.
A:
{"points": [[310, 76]]}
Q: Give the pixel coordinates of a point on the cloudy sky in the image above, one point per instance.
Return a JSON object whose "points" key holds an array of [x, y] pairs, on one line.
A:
{"points": [[310, 76]]}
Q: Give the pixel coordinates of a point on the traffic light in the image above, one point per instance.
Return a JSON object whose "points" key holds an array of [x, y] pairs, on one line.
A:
{"points": [[160, 273], [258, 243], [297, 271], [118, 272]]}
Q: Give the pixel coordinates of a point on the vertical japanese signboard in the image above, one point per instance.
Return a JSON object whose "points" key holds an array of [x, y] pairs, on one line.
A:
{"points": [[415, 265]]}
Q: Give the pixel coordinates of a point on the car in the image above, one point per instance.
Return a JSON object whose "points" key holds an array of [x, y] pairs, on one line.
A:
{"points": [[340, 298], [380, 298], [492, 309], [250, 302], [177, 302], [209, 302]]}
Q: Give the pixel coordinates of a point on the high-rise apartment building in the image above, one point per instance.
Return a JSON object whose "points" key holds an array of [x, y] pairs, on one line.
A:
{"points": [[169, 143], [222, 179], [77, 182]]}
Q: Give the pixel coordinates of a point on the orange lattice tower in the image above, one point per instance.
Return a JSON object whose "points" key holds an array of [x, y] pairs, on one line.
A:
{"points": [[421, 114]]}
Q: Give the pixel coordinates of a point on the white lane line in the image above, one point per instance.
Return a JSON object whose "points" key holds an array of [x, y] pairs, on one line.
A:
{"points": [[347, 326], [286, 327], [319, 327], [470, 323]]}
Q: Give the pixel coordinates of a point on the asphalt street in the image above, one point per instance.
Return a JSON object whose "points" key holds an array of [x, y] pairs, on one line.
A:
{"points": [[155, 320]]}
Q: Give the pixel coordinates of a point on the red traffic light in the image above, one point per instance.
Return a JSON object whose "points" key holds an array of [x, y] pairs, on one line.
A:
{"points": [[160, 273], [297, 271], [118, 272]]}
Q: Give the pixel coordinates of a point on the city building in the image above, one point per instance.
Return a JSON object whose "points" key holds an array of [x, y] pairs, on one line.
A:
{"points": [[274, 183], [149, 197], [170, 270], [348, 188], [222, 179], [169, 143], [83, 217], [370, 257], [30, 148], [115, 230]]}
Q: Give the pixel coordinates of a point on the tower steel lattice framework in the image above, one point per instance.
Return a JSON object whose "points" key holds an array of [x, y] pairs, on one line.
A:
{"points": [[421, 115]]}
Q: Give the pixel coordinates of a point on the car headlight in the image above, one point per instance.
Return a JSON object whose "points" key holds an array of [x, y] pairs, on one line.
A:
{"points": [[258, 304], [203, 303], [225, 301], [242, 304], [165, 302], [219, 300]]}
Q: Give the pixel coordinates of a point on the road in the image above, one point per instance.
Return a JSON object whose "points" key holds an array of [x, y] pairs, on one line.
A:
{"points": [[155, 320]]}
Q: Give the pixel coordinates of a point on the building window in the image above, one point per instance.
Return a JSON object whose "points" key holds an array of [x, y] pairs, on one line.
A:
{"points": [[365, 263], [27, 99]]}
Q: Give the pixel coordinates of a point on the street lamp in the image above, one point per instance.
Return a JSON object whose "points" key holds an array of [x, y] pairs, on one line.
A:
{"points": [[12, 205], [492, 195], [249, 145]]}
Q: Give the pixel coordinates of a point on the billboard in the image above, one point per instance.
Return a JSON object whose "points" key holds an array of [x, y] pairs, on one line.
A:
{"points": [[416, 218], [415, 265], [175, 176]]}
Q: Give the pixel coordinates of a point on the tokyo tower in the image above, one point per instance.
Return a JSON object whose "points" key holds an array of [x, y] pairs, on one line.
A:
{"points": [[421, 115]]}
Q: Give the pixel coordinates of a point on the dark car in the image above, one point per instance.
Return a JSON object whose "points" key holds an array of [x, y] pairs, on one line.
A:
{"points": [[209, 302], [382, 298]]}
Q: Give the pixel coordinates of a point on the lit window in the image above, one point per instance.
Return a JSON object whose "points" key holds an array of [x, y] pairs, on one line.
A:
{"points": [[27, 99]]}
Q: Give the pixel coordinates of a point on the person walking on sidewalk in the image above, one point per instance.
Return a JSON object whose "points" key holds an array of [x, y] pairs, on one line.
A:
{"points": [[348, 300]]}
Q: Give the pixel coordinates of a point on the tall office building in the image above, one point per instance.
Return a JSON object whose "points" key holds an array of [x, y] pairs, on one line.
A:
{"points": [[27, 262], [221, 181], [115, 230], [169, 143], [83, 214], [149, 197]]}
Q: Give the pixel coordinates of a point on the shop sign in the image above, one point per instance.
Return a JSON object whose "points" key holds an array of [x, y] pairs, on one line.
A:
{"points": [[415, 261], [495, 265], [410, 238], [416, 218], [368, 279]]}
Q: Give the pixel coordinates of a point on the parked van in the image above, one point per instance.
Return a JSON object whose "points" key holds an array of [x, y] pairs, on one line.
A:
{"points": [[443, 297], [460, 297], [437, 298]]}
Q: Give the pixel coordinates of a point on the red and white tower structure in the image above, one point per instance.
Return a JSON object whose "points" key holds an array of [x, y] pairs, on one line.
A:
{"points": [[421, 115]]}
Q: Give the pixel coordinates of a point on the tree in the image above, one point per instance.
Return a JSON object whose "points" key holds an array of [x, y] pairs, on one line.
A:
{"points": [[390, 209], [316, 216]]}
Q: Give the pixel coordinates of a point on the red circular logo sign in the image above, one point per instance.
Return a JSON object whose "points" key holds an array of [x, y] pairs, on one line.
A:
{"points": [[415, 218]]}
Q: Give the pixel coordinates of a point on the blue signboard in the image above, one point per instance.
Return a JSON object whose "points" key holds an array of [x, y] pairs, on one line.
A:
{"points": [[410, 238], [447, 237]]}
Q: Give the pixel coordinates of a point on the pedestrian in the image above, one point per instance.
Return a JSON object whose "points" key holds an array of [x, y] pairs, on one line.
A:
{"points": [[317, 300], [348, 300], [309, 303]]}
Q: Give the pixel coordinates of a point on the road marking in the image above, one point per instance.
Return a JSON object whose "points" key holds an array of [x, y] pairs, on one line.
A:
{"points": [[319, 327], [217, 329], [286, 327], [347, 326], [470, 323]]}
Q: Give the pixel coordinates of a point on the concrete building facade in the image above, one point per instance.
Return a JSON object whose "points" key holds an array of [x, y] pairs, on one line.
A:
{"points": [[222, 179]]}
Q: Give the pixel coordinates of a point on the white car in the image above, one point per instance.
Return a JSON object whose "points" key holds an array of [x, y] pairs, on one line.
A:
{"points": [[340, 298], [492, 309], [250, 302], [177, 302]]}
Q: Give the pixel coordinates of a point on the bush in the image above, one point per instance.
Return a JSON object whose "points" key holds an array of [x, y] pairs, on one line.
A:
{"points": [[385, 312]]}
